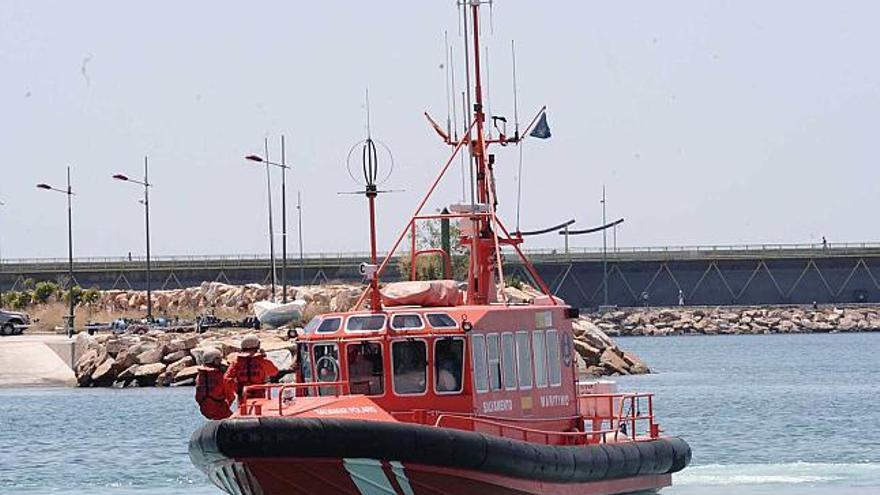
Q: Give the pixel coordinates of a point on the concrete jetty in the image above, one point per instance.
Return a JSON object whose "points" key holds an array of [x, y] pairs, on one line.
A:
{"points": [[40, 360]]}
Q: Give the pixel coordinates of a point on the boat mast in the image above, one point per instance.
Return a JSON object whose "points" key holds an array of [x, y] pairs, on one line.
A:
{"points": [[481, 284]]}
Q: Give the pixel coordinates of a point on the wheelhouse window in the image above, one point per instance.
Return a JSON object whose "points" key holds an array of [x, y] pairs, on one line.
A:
{"points": [[365, 372], [410, 361], [508, 360], [493, 353], [407, 322], [365, 323], [478, 357], [312, 326], [448, 365], [553, 361], [524, 359], [540, 351], [441, 320], [327, 367], [330, 325]]}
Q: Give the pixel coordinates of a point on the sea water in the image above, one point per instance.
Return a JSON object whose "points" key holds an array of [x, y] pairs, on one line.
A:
{"points": [[773, 414], [768, 414]]}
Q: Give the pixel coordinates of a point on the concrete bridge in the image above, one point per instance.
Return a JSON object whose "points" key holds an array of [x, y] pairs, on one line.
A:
{"points": [[704, 275]]}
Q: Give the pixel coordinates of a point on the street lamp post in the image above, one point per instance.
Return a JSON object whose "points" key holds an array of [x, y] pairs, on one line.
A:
{"points": [[283, 223], [1, 267], [299, 213], [69, 192], [146, 203], [604, 253], [284, 167]]}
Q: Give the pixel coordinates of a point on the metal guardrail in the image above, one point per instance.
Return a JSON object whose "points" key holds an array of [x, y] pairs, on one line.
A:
{"points": [[244, 260]]}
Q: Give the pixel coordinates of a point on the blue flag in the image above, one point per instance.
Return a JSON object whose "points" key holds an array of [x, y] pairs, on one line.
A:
{"points": [[542, 129]]}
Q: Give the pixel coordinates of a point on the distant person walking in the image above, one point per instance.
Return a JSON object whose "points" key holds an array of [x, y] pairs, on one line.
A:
{"points": [[129, 256], [250, 367], [680, 298], [824, 242]]}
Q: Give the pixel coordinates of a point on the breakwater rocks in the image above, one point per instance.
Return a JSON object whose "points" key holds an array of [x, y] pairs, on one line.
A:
{"points": [[221, 296], [162, 359], [737, 320], [599, 355]]}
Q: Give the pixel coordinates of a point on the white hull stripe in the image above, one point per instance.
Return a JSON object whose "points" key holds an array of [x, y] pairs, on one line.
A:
{"points": [[369, 476], [402, 480]]}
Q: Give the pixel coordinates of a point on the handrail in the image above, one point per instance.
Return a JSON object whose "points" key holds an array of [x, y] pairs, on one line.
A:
{"points": [[621, 418], [547, 433]]}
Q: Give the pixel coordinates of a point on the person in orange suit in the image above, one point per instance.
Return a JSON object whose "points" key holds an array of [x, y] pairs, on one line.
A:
{"points": [[250, 367], [213, 393]]}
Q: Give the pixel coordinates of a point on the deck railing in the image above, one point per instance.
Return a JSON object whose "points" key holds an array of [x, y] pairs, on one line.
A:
{"points": [[623, 412], [604, 418]]}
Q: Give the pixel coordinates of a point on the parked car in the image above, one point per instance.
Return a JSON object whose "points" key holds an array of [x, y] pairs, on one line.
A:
{"points": [[13, 323]]}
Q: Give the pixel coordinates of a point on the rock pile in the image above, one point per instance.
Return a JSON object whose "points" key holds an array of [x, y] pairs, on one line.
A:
{"points": [[599, 355], [224, 296], [161, 359], [737, 320]]}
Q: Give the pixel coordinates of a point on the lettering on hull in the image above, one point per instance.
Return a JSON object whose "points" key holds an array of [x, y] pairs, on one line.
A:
{"points": [[492, 406], [555, 400], [341, 411]]}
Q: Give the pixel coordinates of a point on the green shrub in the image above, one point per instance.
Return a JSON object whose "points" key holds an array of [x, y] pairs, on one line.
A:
{"points": [[77, 293], [43, 291], [16, 299], [90, 296], [430, 267]]}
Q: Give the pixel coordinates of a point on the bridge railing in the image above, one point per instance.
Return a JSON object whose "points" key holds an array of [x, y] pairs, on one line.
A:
{"points": [[243, 260]]}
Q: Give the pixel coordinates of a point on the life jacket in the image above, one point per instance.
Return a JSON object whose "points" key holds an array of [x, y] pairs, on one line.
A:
{"points": [[250, 370], [211, 393], [210, 385]]}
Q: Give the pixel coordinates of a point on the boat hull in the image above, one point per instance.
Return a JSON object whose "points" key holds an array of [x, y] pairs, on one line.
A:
{"points": [[309, 455], [369, 476]]}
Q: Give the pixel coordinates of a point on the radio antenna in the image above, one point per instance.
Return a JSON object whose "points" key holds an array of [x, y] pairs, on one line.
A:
{"points": [[488, 91], [446, 79], [367, 103], [515, 106], [516, 135], [491, 19], [466, 103], [370, 182]]}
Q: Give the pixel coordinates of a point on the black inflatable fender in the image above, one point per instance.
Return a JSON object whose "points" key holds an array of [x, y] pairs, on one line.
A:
{"points": [[616, 460], [681, 454], [591, 464], [420, 444]]}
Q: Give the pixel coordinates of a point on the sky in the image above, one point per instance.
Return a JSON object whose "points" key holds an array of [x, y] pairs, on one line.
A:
{"points": [[708, 122]]}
